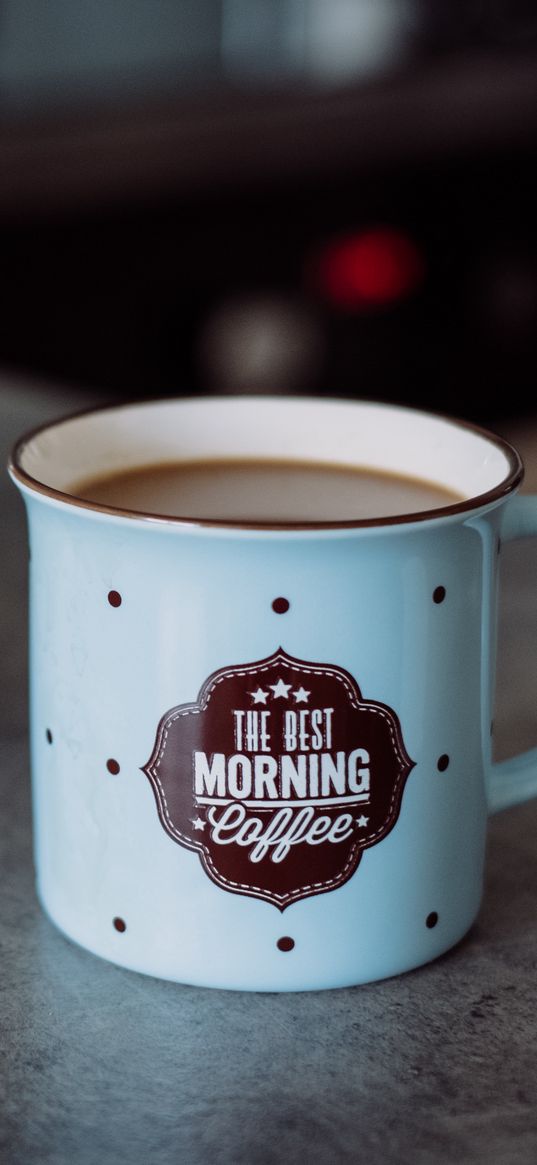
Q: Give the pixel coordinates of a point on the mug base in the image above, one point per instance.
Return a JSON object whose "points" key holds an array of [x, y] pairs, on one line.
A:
{"points": [[231, 978]]}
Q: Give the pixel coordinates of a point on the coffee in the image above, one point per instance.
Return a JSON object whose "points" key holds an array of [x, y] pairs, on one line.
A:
{"points": [[264, 491]]}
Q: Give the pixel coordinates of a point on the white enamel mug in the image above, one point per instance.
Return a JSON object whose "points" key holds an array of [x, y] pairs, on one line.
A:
{"points": [[261, 754]]}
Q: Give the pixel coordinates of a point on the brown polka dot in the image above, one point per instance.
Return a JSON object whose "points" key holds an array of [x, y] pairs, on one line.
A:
{"points": [[120, 925], [114, 598], [442, 762], [439, 594], [285, 943], [112, 765], [281, 605], [431, 919], [49, 736]]}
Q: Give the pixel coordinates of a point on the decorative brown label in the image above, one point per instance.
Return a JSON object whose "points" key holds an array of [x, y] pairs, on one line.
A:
{"points": [[280, 775]]}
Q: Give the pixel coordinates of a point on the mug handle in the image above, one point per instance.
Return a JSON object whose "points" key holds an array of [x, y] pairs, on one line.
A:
{"points": [[514, 780]]}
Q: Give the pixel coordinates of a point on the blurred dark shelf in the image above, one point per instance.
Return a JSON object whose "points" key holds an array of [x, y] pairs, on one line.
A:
{"points": [[123, 301], [230, 138], [164, 248]]}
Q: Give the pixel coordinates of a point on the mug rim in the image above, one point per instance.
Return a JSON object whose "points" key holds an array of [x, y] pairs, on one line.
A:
{"points": [[505, 487]]}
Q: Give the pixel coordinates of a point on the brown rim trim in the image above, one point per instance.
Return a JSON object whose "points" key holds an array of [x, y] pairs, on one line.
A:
{"points": [[508, 485]]}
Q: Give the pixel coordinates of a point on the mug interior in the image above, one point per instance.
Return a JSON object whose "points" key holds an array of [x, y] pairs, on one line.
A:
{"points": [[459, 457]]}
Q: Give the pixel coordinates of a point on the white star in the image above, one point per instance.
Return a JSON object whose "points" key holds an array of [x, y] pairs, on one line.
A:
{"points": [[301, 696], [259, 696], [362, 821], [280, 689], [199, 823]]}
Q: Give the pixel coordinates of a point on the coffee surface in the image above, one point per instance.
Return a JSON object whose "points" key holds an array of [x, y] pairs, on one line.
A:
{"points": [[264, 491]]}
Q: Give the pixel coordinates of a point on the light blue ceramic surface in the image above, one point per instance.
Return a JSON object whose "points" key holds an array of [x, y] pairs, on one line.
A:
{"points": [[198, 599]]}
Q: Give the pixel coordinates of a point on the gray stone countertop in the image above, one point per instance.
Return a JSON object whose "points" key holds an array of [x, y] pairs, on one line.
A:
{"points": [[101, 1066]]}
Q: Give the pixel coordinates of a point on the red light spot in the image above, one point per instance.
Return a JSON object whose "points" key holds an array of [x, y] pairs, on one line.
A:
{"points": [[372, 268]]}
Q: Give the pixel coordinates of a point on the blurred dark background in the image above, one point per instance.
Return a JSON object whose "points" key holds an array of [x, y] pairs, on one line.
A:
{"points": [[329, 196]]}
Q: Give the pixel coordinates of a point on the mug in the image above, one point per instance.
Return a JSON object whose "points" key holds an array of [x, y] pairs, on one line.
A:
{"points": [[261, 754]]}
